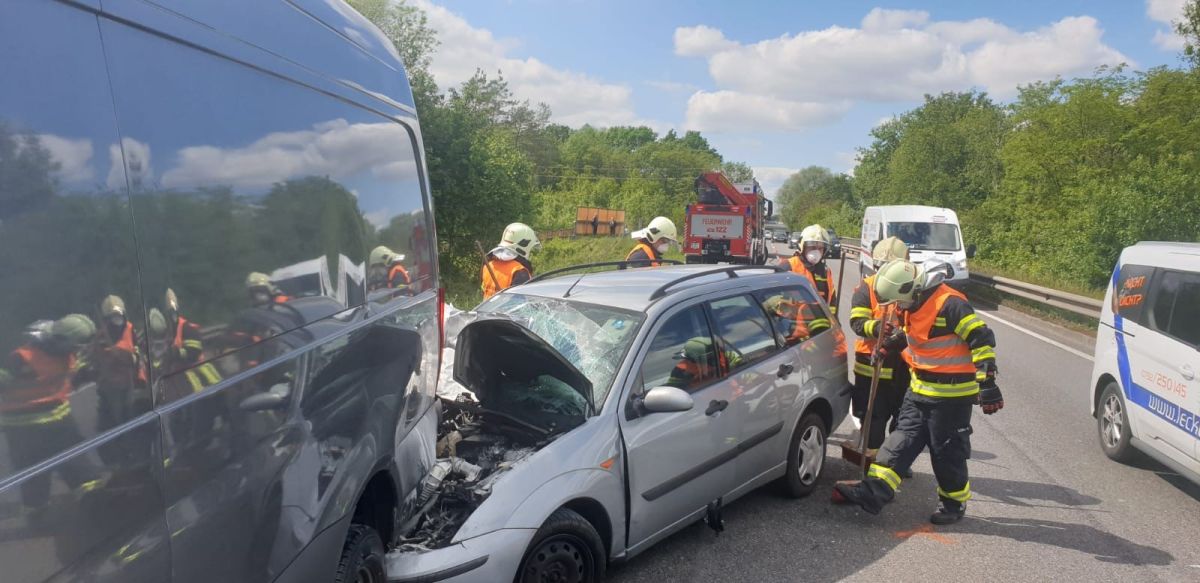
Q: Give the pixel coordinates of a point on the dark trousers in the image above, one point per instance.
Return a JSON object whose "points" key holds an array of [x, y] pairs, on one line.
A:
{"points": [[942, 425], [889, 397]]}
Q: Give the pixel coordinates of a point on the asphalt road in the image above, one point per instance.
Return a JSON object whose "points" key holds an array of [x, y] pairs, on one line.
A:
{"points": [[1048, 504]]}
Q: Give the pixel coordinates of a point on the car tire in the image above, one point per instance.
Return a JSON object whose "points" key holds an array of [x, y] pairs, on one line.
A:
{"points": [[362, 557], [566, 548], [806, 457], [1112, 424]]}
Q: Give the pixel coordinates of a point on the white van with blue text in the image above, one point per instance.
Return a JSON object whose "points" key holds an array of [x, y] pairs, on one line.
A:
{"points": [[930, 232], [1145, 394]]}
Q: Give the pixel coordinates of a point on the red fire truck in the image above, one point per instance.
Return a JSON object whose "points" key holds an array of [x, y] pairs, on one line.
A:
{"points": [[727, 222]]}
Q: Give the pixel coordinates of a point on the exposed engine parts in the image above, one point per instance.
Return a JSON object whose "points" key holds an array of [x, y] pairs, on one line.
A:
{"points": [[472, 456]]}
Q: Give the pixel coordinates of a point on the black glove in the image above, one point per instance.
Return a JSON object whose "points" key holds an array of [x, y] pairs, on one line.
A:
{"points": [[883, 329], [891, 345], [990, 397]]}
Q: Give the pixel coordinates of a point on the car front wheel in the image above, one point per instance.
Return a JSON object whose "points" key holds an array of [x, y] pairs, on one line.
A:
{"points": [[1112, 422], [362, 557], [566, 549], [806, 457]]}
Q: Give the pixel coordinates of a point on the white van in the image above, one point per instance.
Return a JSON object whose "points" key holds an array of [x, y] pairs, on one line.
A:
{"points": [[1145, 393], [928, 231]]}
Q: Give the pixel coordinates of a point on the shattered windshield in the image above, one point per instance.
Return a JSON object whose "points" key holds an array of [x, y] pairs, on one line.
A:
{"points": [[594, 339]]}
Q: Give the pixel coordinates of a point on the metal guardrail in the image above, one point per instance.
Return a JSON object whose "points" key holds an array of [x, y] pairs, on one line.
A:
{"points": [[1062, 300]]}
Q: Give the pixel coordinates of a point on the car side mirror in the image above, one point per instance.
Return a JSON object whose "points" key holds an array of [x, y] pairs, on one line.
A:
{"points": [[271, 400], [971, 251], [666, 400]]}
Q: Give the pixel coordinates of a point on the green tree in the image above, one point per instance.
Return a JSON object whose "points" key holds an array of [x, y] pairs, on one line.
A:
{"points": [[1189, 28], [738, 171]]}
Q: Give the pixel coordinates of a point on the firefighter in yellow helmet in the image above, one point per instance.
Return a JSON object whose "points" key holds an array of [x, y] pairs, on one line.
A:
{"points": [[508, 264], [263, 292], [385, 270], [652, 243], [878, 337], [953, 359], [809, 261]]}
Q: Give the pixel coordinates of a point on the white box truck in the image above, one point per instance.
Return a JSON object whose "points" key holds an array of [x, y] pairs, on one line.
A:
{"points": [[928, 231]]}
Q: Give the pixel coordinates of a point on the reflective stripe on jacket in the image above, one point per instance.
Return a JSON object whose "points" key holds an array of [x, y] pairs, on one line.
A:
{"points": [[866, 345]]}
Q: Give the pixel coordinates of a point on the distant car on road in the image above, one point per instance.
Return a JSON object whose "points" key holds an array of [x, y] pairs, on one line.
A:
{"points": [[835, 244], [614, 409], [781, 236], [794, 240], [1144, 394]]}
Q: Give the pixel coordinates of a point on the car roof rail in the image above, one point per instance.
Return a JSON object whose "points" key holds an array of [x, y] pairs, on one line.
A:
{"points": [[618, 264], [730, 270]]}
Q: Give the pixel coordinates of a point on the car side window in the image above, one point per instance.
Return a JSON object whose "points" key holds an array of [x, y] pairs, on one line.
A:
{"points": [[742, 330], [1176, 309], [796, 314], [682, 353], [1133, 288], [254, 218]]}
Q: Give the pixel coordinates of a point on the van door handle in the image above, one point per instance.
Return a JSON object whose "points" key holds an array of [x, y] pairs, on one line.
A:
{"points": [[715, 407], [785, 370], [1187, 372]]}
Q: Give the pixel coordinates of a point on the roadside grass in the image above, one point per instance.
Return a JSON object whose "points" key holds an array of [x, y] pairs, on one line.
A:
{"points": [[462, 289], [985, 268], [1069, 320]]}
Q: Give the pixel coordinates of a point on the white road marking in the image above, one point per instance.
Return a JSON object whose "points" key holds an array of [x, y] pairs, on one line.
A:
{"points": [[1079, 353]]}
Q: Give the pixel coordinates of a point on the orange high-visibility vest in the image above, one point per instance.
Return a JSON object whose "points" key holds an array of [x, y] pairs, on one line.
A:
{"points": [[50, 386], [398, 269], [947, 354], [649, 253], [797, 265], [504, 272], [865, 345]]}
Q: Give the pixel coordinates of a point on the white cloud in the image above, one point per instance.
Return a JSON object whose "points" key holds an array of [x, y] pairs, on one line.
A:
{"points": [[772, 177], [735, 112], [1166, 12], [73, 155], [673, 86], [902, 55], [700, 41], [574, 98], [335, 148]]}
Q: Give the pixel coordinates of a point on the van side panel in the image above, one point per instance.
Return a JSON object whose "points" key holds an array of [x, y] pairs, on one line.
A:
{"points": [[248, 164], [80, 463]]}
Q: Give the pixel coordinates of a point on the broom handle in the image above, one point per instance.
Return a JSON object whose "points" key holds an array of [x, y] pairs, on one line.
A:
{"points": [[876, 372]]}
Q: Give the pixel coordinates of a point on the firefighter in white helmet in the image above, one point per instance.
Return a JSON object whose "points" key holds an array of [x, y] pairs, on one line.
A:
{"points": [[652, 243], [508, 264], [809, 261]]}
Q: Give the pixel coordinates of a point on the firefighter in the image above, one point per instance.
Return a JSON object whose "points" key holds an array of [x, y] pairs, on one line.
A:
{"points": [[386, 270], [187, 342], [867, 321], [262, 292], [116, 366], [35, 404], [953, 359], [508, 264], [798, 321], [652, 243], [700, 362], [809, 261], [166, 359]]}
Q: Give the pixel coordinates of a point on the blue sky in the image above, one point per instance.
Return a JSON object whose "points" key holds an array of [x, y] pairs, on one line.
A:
{"points": [[783, 85]]}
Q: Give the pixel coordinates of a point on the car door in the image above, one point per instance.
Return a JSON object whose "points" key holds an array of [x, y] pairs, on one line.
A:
{"points": [[678, 462], [756, 368], [1169, 356]]}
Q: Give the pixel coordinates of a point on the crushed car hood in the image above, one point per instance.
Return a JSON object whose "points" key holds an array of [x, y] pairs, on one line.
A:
{"points": [[495, 350]]}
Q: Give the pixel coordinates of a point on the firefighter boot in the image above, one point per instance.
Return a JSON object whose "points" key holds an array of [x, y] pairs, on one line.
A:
{"points": [[948, 513], [859, 493]]}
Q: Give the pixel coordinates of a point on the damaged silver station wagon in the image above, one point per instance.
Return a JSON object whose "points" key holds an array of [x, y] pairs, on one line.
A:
{"points": [[597, 413]]}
